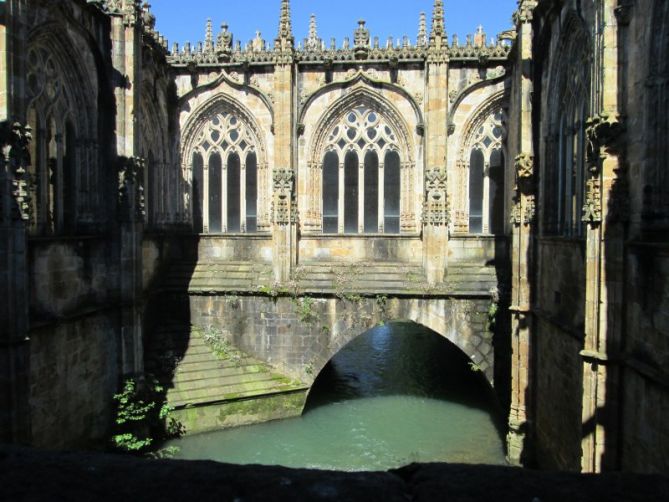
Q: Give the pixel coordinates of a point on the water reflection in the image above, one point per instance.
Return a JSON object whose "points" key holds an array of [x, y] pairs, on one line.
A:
{"points": [[395, 395]]}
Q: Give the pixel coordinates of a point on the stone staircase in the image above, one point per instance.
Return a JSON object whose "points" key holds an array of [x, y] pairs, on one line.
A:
{"points": [[214, 276], [383, 278], [378, 278], [215, 386]]}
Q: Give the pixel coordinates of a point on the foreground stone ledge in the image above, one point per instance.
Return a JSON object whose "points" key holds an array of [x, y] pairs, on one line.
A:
{"points": [[31, 475]]}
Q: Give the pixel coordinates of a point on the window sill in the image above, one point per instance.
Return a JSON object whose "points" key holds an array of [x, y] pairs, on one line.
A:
{"points": [[361, 236], [237, 236]]}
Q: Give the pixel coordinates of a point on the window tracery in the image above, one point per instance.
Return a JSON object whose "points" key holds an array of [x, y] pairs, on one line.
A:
{"points": [[566, 146], [58, 115], [361, 174], [482, 174], [226, 178]]}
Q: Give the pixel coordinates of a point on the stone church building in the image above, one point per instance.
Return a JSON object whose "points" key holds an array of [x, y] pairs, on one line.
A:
{"points": [[147, 188]]}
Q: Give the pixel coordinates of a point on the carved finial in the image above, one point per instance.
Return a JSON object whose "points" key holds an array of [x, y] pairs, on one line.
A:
{"points": [[224, 40], [438, 33], [422, 31], [479, 37], [313, 43], [361, 40], [209, 37], [285, 27], [258, 44]]}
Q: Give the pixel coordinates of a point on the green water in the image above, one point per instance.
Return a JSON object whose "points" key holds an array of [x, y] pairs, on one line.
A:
{"points": [[396, 395]]}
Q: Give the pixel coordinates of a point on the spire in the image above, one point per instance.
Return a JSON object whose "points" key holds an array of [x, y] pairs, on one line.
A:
{"points": [[209, 37], [422, 31], [313, 43], [285, 25], [438, 26]]}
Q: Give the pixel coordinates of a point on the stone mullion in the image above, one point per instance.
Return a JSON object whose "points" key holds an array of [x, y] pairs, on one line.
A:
{"points": [[242, 195], [382, 195], [205, 195], [263, 206], [341, 201], [361, 195], [485, 206], [224, 191]]}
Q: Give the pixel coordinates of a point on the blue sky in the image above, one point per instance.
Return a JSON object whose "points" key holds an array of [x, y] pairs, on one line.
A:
{"points": [[182, 21]]}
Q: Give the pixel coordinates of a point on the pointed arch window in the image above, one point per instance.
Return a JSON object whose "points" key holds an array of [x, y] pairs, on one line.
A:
{"points": [[58, 120], [486, 177], [361, 175], [225, 176]]}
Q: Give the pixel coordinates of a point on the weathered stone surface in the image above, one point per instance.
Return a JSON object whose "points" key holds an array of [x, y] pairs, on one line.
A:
{"points": [[72, 476]]}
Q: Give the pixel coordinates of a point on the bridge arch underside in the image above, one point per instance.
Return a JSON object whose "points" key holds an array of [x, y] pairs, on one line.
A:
{"points": [[299, 335]]}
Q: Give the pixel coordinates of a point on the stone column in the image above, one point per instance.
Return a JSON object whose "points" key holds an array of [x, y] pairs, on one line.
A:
{"points": [[15, 213], [284, 205], [523, 228], [126, 58], [604, 213], [436, 210]]}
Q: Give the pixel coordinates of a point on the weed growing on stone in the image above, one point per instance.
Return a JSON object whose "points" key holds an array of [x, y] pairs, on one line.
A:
{"points": [[220, 346], [141, 420]]}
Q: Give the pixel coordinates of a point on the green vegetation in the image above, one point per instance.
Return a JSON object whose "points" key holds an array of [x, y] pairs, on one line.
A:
{"points": [[143, 419], [304, 308], [219, 345]]}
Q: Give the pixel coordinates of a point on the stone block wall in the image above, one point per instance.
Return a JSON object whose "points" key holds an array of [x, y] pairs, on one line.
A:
{"points": [[300, 335], [74, 373], [558, 384]]}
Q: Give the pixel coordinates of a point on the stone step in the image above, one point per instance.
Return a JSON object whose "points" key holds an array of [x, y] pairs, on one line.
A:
{"points": [[183, 400], [218, 380]]}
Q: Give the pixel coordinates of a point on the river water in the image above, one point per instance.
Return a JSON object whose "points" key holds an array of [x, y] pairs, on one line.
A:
{"points": [[397, 394]]}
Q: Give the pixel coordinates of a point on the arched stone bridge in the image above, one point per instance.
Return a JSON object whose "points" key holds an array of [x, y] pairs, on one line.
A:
{"points": [[273, 339]]}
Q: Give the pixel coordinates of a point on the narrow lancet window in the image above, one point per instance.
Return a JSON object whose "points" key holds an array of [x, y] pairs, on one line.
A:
{"points": [[233, 199], [330, 193], [198, 192], [391, 193], [351, 193], [251, 193], [215, 188], [371, 192], [476, 192], [496, 207]]}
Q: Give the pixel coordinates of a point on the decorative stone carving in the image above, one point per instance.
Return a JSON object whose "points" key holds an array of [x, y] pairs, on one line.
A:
{"points": [[524, 206], [15, 141], [435, 209], [361, 40], [602, 132], [524, 166], [592, 207], [284, 204], [524, 13]]}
